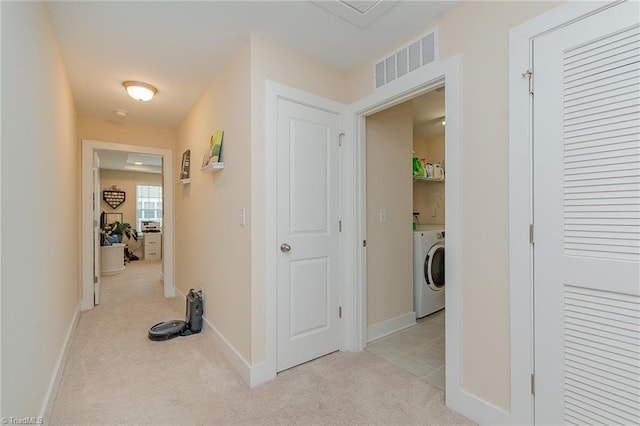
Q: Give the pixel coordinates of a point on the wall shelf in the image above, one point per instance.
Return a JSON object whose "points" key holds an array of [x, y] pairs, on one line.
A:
{"points": [[427, 179], [184, 181], [210, 168]]}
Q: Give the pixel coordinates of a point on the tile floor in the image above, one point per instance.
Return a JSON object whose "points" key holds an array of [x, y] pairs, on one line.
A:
{"points": [[418, 349]]}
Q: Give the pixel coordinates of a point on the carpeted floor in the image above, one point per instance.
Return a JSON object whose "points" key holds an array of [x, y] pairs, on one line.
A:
{"points": [[115, 375]]}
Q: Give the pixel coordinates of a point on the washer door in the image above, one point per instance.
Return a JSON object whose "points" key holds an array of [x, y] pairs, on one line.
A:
{"points": [[434, 267]]}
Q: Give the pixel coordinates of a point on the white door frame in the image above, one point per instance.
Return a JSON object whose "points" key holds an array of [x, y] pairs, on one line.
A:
{"points": [[521, 40], [353, 295], [447, 73], [88, 148]]}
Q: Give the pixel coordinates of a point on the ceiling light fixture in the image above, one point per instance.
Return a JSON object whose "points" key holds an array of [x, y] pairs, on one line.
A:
{"points": [[138, 163], [139, 90]]}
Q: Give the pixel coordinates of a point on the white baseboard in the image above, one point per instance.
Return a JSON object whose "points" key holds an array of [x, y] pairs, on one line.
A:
{"points": [[477, 409], [384, 328], [237, 361], [54, 383], [234, 357]]}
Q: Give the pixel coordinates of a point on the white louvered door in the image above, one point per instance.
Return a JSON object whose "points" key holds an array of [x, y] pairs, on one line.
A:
{"points": [[587, 220]]}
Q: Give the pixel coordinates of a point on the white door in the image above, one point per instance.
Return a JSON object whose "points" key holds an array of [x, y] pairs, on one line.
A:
{"points": [[307, 233], [587, 220], [96, 228]]}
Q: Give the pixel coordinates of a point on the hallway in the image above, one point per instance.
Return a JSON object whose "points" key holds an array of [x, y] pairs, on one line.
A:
{"points": [[115, 375]]}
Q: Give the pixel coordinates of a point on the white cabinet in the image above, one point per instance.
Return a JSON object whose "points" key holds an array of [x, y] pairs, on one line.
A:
{"points": [[112, 258], [152, 245]]}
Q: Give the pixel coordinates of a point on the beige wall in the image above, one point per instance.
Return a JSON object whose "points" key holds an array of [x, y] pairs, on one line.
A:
{"points": [[390, 244], [127, 181], [40, 205], [124, 133], [479, 32], [428, 197], [211, 248], [207, 209], [273, 62]]}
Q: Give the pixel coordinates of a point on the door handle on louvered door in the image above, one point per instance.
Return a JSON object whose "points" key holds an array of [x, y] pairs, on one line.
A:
{"points": [[285, 248]]}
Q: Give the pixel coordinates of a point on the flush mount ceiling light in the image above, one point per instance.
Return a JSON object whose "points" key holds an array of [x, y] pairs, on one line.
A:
{"points": [[139, 90]]}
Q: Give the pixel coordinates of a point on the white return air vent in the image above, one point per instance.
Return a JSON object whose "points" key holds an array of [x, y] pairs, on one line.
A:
{"points": [[416, 54]]}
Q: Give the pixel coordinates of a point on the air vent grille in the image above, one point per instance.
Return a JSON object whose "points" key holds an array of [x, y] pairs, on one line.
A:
{"points": [[414, 55]]}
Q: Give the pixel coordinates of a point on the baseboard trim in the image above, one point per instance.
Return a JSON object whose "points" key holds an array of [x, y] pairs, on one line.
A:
{"points": [[237, 361], [384, 328], [54, 383], [234, 357], [477, 409]]}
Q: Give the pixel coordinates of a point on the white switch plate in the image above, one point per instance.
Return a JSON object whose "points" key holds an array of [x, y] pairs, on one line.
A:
{"points": [[243, 216], [383, 215]]}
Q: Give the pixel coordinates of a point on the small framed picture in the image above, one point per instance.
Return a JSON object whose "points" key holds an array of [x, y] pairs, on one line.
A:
{"points": [[185, 169], [112, 217], [213, 153]]}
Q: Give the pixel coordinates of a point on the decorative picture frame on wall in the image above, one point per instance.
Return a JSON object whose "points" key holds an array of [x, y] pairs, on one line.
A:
{"points": [[114, 197], [185, 169], [214, 149], [112, 217]]}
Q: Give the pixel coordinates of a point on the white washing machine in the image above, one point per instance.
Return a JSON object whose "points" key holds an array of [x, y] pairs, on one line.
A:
{"points": [[428, 269]]}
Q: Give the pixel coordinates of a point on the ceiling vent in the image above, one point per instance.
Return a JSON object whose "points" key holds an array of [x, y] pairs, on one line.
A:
{"points": [[358, 12], [416, 54]]}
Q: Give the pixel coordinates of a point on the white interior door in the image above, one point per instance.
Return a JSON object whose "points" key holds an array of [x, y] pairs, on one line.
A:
{"points": [[307, 233], [96, 228], [587, 220]]}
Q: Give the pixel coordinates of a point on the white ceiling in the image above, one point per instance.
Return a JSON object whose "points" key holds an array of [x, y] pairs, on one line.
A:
{"points": [[178, 46], [126, 161], [428, 113]]}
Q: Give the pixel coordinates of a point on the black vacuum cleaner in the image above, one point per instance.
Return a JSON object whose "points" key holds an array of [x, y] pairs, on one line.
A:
{"points": [[169, 329]]}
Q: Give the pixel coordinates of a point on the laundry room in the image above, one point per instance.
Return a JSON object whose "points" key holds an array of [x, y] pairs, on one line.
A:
{"points": [[406, 235]]}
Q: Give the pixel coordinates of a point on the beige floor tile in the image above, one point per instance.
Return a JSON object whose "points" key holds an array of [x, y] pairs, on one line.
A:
{"points": [[419, 350], [438, 343], [427, 354], [423, 334], [383, 349], [400, 342], [413, 366], [437, 379]]}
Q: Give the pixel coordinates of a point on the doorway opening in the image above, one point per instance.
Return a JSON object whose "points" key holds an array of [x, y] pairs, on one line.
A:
{"points": [[135, 181], [405, 266], [443, 73], [124, 179]]}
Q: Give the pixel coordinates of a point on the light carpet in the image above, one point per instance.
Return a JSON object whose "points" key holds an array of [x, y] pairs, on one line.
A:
{"points": [[116, 375]]}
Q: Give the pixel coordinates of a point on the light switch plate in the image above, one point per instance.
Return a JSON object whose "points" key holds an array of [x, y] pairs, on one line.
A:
{"points": [[383, 215]]}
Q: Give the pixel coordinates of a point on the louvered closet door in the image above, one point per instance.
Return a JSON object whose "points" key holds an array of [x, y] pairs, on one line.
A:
{"points": [[587, 220]]}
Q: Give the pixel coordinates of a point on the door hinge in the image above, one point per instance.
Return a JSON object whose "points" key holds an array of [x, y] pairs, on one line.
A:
{"points": [[531, 240], [364, 243], [340, 312], [533, 384], [95, 280], [340, 136], [529, 74], [339, 226]]}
